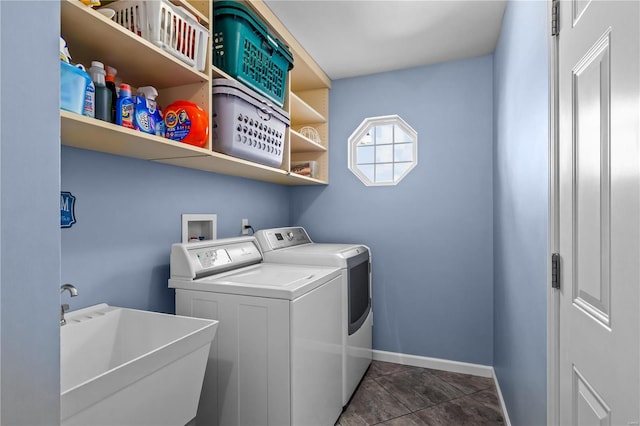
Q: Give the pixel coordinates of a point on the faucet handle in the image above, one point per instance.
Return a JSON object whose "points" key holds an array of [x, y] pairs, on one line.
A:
{"points": [[65, 307]]}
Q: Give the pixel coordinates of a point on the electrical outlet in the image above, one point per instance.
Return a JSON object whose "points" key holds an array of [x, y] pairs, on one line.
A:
{"points": [[245, 224]]}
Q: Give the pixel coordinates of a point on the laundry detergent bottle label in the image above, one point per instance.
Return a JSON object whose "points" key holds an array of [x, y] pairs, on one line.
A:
{"points": [[186, 122], [147, 115], [127, 115], [90, 100], [178, 124], [125, 107], [145, 111]]}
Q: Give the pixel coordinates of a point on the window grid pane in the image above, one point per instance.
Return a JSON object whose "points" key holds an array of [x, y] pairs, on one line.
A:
{"points": [[403, 152], [366, 154], [384, 173], [384, 154], [369, 172], [383, 134]]}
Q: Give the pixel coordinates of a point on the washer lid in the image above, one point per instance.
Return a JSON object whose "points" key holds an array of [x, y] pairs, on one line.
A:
{"points": [[271, 280]]}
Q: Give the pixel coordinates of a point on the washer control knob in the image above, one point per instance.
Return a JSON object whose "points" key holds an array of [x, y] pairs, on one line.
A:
{"points": [[290, 236]]}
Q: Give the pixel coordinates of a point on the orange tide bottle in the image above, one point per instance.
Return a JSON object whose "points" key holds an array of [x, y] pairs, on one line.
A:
{"points": [[186, 122]]}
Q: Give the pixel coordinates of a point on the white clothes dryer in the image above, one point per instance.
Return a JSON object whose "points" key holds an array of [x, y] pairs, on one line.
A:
{"points": [[293, 246], [278, 352]]}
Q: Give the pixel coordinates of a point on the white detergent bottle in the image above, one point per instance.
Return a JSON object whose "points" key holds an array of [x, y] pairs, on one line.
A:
{"points": [[147, 114]]}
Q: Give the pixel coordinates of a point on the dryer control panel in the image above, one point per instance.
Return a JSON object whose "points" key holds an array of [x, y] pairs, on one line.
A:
{"points": [[279, 238]]}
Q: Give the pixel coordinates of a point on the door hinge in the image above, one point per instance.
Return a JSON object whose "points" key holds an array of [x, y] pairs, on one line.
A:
{"points": [[555, 17], [555, 270]]}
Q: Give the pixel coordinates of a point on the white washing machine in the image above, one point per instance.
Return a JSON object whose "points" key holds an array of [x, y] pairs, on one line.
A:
{"points": [[293, 246], [277, 356]]}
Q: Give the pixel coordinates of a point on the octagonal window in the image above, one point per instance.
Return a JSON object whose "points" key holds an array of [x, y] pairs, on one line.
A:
{"points": [[383, 150]]}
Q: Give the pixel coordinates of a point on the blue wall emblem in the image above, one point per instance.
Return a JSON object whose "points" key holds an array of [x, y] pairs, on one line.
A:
{"points": [[67, 209]]}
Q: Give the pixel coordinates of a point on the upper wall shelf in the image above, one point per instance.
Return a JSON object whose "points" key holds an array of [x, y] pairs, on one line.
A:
{"points": [[89, 133], [140, 63]]}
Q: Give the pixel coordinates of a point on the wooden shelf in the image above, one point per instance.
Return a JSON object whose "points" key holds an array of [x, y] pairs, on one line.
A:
{"points": [[83, 132], [218, 73], [136, 59], [306, 180], [300, 143], [89, 133], [225, 164], [302, 113]]}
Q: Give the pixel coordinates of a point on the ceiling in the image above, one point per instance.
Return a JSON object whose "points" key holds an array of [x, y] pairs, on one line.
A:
{"points": [[349, 38]]}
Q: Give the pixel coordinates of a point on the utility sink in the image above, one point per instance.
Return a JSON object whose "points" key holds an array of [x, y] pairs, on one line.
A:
{"points": [[127, 367]]}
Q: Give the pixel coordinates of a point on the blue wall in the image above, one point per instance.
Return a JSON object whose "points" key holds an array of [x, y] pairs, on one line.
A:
{"points": [[521, 210], [431, 235], [128, 214], [29, 214]]}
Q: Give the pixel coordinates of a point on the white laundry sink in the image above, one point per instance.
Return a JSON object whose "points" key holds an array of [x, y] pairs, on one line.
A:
{"points": [[128, 367]]}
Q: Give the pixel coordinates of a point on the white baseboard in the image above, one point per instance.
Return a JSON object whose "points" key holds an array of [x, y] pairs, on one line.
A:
{"points": [[507, 422], [445, 365], [434, 363]]}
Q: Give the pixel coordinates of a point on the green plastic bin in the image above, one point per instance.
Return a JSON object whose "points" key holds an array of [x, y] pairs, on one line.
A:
{"points": [[243, 48]]}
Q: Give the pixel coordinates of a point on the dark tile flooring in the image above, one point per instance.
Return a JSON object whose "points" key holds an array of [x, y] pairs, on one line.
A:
{"points": [[399, 395]]}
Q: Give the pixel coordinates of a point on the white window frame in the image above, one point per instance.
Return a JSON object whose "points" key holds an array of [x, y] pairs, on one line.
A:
{"points": [[362, 130]]}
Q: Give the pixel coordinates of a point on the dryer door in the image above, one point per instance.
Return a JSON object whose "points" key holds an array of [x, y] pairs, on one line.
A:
{"points": [[359, 292]]}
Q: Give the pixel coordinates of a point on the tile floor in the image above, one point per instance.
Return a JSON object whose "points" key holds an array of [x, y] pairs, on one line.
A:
{"points": [[399, 395]]}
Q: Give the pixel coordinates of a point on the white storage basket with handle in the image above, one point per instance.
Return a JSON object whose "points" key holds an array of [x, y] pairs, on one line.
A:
{"points": [[169, 27], [246, 124]]}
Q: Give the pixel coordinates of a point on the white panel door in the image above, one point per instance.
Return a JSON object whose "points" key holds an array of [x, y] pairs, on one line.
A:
{"points": [[598, 217]]}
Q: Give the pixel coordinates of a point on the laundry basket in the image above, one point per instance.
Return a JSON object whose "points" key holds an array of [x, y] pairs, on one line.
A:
{"points": [[247, 125], [244, 48], [172, 28]]}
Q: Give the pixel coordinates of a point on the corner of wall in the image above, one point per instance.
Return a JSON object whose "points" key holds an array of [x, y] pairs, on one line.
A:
{"points": [[29, 156], [521, 210], [503, 405]]}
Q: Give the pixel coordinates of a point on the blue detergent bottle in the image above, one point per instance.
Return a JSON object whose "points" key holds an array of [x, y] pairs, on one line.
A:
{"points": [[125, 107], [147, 113]]}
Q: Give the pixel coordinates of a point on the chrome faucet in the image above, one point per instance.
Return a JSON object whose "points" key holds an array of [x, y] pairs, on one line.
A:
{"points": [[65, 307]]}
